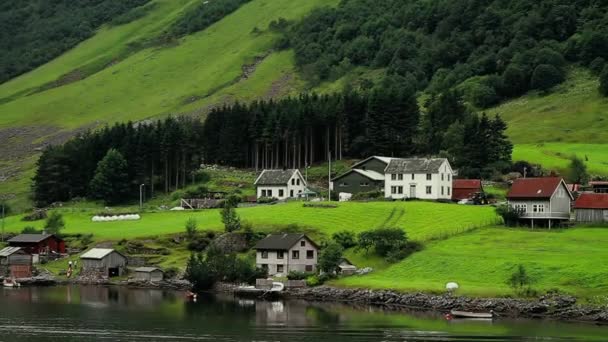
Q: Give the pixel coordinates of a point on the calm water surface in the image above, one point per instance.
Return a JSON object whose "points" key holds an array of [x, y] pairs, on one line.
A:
{"points": [[89, 313]]}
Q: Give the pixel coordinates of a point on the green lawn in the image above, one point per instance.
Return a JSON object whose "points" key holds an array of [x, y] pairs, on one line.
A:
{"points": [[422, 220], [556, 156], [481, 262]]}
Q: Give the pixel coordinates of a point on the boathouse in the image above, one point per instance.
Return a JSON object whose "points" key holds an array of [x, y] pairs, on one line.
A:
{"points": [[150, 274], [108, 262]]}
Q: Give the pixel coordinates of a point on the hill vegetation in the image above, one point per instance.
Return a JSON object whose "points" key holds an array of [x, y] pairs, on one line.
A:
{"points": [[491, 51], [34, 32]]}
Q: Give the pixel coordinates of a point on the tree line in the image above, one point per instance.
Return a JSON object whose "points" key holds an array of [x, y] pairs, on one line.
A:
{"points": [[33, 32], [291, 132], [490, 50]]}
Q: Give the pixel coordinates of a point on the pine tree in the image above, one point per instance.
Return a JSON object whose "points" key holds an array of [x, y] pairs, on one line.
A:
{"points": [[111, 183]]}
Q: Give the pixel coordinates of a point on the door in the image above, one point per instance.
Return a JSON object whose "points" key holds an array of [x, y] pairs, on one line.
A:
{"points": [[413, 191]]}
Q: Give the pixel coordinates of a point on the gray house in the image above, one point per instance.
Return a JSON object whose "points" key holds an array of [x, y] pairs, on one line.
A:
{"points": [[364, 176], [282, 253], [541, 201], [150, 274], [106, 261]]}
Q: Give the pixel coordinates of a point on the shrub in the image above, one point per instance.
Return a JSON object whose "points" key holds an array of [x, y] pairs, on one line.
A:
{"points": [[509, 215], [313, 281], [368, 195], [30, 230], [54, 223], [266, 200], [383, 240], [295, 275], [230, 218], [546, 76], [191, 227], [604, 82], [520, 281], [345, 238], [330, 258], [86, 239], [199, 243], [597, 65]]}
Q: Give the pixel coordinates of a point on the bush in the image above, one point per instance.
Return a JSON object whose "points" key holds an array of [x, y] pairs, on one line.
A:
{"points": [[295, 275], [330, 258], [345, 238], [266, 200], [54, 223], [369, 195], [198, 243], [313, 281], [509, 215], [597, 65], [86, 239], [545, 77], [191, 227], [520, 281], [30, 230], [384, 241], [604, 82]]}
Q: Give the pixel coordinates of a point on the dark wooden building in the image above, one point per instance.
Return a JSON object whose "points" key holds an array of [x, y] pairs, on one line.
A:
{"points": [[38, 243], [106, 261], [465, 188], [364, 176]]}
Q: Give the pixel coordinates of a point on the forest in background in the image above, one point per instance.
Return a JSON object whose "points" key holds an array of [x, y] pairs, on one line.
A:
{"points": [[291, 132], [490, 50]]}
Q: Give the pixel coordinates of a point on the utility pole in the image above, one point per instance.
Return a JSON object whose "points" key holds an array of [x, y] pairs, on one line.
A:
{"points": [[2, 236], [329, 178], [141, 197], [306, 179]]}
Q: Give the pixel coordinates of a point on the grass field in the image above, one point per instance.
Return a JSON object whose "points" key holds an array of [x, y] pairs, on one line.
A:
{"points": [[556, 156], [421, 220], [481, 262]]}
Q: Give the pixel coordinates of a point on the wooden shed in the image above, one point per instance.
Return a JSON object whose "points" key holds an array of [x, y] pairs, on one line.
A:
{"points": [[591, 207], [149, 274], [106, 261], [16, 262]]}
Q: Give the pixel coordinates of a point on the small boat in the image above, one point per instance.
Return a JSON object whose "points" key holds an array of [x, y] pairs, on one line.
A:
{"points": [[467, 314], [191, 296], [8, 282]]}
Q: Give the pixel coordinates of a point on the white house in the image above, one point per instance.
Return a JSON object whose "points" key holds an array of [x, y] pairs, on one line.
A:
{"points": [[418, 178], [281, 253], [280, 184]]}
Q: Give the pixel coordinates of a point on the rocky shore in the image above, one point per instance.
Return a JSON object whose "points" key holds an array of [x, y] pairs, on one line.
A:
{"points": [[47, 280], [551, 306]]}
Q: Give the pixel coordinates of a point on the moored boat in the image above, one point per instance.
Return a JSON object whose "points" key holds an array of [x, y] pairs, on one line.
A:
{"points": [[9, 282], [468, 314]]}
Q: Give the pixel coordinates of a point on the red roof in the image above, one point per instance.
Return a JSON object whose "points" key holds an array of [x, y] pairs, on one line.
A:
{"points": [[591, 201], [534, 187], [466, 184]]}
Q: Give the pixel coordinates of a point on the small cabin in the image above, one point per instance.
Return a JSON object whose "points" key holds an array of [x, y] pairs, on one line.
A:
{"points": [[106, 261], [149, 274], [346, 267], [591, 208]]}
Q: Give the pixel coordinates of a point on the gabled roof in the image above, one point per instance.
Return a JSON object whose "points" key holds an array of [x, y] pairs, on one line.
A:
{"points": [[537, 188], [281, 241], [591, 201], [97, 253], [8, 251], [275, 177], [147, 269], [370, 174], [415, 165], [385, 160], [31, 238], [466, 183]]}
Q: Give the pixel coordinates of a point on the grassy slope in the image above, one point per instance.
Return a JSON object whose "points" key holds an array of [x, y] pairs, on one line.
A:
{"points": [[422, 220], [153, 81], [548, 129], [482, 261]]}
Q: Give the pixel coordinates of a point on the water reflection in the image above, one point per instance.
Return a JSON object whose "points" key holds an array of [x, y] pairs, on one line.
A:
{"points": [[90, 313]]}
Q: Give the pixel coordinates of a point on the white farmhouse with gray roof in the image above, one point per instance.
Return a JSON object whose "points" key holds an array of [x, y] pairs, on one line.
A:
{"points": [[280, 184], [281, 253], [420, 178]]}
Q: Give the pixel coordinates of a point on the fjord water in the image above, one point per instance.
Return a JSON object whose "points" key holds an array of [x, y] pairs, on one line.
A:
{"points": [[92, 313]]}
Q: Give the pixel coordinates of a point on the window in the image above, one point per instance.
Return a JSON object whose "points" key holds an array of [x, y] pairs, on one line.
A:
{"points": [[442, 177], [290, 193], [302, 243], [448, 191], [293, 181], [269, 193], [310, 254], [393, 176], [295, 254], [264, 254], [400, 176], [308, 268], [298, 181], [265, 267], [280, 254], [281, 193], [428, 190], [280, 268], [521, 208], [396, 189], [412, 176], [263, 193], [343, 184], [429, 176], [442, 190], [538, 208], [448, 177], [364, 184]]}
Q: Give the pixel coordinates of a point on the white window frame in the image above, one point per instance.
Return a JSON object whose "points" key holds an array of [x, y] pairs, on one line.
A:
{"points": [[429, 176], [429, 189], [521, 208]]}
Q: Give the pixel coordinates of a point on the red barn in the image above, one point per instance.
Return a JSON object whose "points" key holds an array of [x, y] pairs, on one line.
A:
{"points": [[465, 188], [38, 243]]}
